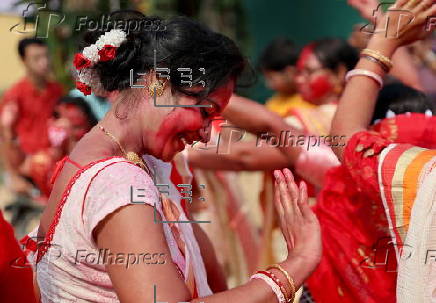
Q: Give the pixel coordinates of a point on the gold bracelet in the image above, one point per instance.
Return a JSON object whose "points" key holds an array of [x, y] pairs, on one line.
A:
{"points": [[377, 55], [288, 277], [376, 61]]}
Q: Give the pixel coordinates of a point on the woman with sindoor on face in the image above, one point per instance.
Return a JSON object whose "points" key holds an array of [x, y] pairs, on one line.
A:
{"points": [[90, 206]]}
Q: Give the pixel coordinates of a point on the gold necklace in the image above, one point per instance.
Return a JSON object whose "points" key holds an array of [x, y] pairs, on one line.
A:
{"points": [[131, 156]]}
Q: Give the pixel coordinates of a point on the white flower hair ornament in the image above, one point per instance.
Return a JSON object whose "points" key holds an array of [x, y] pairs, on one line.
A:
{"points": [[104, 49]]}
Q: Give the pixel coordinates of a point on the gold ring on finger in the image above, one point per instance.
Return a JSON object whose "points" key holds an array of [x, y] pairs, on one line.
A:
{"points": [[411, 4]]}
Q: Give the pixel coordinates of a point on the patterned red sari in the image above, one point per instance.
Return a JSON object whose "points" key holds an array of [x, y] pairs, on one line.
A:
{"points": [[359, 262]]}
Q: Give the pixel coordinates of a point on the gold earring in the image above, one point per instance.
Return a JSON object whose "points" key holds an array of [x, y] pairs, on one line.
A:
{"points": [[158, 86]]}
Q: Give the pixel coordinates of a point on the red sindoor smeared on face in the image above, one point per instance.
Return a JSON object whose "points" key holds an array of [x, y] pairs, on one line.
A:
{"points": [[304, 56], [186, 122], [319, 87], [78, 120], [315, 87], [178, 121]]}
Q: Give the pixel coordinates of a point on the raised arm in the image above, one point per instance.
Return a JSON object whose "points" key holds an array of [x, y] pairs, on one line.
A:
{"points": [[249, 155], [252, 116], [257, 119], [310, 161], [242, 156], [358, 100]]}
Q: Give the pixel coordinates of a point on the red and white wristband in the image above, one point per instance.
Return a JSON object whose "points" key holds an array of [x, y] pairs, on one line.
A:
{"points": [[274, 286]]}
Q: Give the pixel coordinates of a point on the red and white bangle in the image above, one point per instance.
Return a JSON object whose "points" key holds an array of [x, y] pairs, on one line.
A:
{"points": [[363, 72], [274, 286], [276, 280]]}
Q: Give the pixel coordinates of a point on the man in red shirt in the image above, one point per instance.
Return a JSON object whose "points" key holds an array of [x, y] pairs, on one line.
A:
{"points": [[27, 106]]}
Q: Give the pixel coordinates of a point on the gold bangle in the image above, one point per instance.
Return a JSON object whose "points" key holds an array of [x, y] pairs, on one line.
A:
{"points": [[378, 56], [288, 277], [376, 61]]}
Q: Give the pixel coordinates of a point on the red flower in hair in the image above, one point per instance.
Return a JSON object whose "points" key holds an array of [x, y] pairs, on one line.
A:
{"points": [[85, 89], [81, 62], [107, 52]]}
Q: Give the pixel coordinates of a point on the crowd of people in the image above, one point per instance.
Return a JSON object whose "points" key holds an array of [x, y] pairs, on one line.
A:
{"points": [[346, 149]]}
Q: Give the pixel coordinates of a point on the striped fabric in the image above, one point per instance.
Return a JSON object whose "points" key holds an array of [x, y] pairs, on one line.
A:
{"points": [[407, 178], [401, 170]]}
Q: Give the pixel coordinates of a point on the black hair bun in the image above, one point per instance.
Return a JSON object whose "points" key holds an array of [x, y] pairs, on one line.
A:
{"points": [[190, 53]]}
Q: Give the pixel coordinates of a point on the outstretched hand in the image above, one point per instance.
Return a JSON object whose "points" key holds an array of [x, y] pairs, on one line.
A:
{"points": [[407, 21], [298, 223]]}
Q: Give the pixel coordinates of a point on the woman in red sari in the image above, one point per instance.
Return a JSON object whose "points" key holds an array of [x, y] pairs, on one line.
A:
{"points": [[359, 263], [390, 175]]}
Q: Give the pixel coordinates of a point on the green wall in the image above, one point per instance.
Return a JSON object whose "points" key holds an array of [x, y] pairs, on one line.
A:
{"points": [[300, 20]]}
